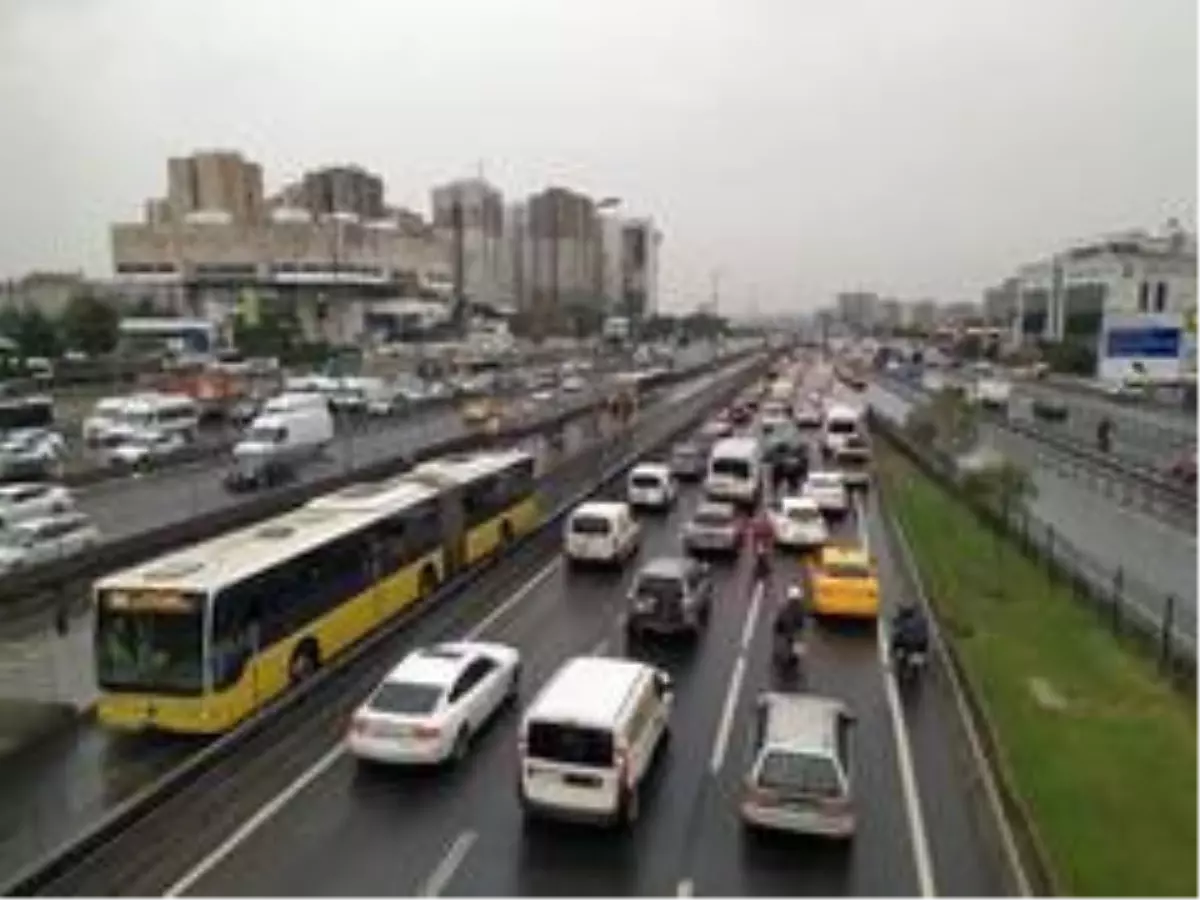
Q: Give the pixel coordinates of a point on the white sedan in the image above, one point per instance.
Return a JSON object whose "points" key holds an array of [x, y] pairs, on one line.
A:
{"points": [[798, 522], [428, 708], [828, 491], [33, 500]]}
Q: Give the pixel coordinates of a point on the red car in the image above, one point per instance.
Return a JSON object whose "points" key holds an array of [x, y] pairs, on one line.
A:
{"points": [[1184, 468]]}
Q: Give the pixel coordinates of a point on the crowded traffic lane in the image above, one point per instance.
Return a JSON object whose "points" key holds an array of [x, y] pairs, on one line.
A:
{"points": [[369, 832]]}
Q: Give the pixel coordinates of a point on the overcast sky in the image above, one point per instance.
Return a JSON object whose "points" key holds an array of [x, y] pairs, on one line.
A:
{"points": [[917, 148]]}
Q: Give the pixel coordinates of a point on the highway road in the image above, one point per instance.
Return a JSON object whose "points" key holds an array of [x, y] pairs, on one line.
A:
{"points": [[315, 823], [86, 770], [1157, 555]]}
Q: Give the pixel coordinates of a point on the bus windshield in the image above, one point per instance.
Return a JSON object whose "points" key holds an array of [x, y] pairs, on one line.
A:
{"points": [[150, 651]]}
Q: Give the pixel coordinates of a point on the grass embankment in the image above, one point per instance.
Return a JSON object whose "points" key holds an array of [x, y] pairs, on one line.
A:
{"points": [[1102, 752]]}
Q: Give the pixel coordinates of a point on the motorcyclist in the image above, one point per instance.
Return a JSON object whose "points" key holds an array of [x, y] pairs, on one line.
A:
{"points": [[910, 632], [762, 543], [788, 627]]}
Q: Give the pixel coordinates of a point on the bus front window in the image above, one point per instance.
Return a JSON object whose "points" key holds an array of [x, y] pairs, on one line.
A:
{"points": [[149, 651]]}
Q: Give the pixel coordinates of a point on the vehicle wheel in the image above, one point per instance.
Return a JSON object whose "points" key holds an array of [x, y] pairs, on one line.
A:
{"points": [[429, 582], [630, 806], [462, 744], [506, 534], [305, 662]]}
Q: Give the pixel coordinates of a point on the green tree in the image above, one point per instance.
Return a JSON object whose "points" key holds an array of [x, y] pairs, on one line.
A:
{"points": [[90, 323], [274, 333], [31, 331], [946, 423]]}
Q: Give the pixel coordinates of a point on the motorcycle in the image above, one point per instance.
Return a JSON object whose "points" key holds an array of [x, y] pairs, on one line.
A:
{"points": [[788, 653], [909, 664]]}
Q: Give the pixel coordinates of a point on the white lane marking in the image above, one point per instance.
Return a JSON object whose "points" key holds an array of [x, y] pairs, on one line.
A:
{"points": [[522, 592], [860, 517], [752, 616], [726, 723], [251, 825], [440, 877], [908, 777], [686, 888], [322, 765]]}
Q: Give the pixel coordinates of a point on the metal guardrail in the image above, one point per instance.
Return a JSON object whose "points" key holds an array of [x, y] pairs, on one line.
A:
{"points": [[52, 577], [575, 480], [1166, 623], [1123, 480]]}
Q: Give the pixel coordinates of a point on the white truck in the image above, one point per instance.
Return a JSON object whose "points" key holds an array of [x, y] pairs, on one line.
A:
{"points": [[290, 430]]}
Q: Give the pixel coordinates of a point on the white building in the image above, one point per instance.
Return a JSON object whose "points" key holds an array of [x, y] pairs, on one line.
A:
{"points": [[1120, 293], [640, 242]]}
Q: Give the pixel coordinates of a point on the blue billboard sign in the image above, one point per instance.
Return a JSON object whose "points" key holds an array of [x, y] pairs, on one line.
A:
{"points": [[1145, 343]]}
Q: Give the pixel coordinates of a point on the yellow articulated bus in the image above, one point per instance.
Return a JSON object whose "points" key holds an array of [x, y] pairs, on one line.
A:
{"points": [[198, 639]]}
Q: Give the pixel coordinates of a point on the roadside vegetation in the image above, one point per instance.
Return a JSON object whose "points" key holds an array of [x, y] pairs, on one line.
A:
{"points": [[1100, 749]]}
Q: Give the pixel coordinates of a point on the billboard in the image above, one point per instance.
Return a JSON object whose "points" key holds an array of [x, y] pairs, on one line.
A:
{"points": [[1154, 346]]}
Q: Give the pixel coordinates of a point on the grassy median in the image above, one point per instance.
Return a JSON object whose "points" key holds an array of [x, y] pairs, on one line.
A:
{"points": [[1102, 751]]}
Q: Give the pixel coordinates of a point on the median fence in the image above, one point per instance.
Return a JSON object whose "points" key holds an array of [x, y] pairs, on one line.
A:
{"points": [[1162, 624]]}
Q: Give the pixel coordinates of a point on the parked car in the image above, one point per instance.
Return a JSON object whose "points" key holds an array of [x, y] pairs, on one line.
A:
{"points": [[37, 541], [431, 705], [801, 776], [669, 595]]}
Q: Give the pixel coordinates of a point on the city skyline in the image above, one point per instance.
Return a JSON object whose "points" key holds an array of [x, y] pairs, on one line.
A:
{"points": [[923, 153]]}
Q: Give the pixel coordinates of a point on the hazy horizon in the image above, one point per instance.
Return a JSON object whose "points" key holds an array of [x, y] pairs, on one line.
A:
{"points": [[917, 149]]}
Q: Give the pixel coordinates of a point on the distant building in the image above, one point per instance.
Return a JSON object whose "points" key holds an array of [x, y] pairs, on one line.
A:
{"points": [[858, 310], [46, 292], [890, 316], [213, 247], [923, 315], [563, 239], [486, 264], [1000, 303], [638, 296]]}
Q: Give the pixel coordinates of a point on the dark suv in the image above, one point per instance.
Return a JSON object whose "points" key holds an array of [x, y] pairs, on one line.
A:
{"points": [[669, 595]]}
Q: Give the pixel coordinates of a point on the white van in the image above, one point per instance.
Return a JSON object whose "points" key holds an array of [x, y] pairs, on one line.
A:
{"points": [[601, 532], [841, 422], [290, 430], [735, 471], [169, 413], [588, 739], [650, 486]]}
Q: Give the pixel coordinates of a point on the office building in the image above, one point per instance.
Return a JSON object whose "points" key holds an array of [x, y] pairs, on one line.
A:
{"points": [[563, 240], [318, 252], [858, 309], [923, 315], [640, 240]]}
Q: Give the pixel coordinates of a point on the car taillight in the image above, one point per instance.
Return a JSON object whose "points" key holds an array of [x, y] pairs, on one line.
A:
{"points": [[425, 732]]}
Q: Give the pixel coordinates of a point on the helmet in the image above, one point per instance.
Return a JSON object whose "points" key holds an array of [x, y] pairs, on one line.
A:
{"points": [[795, 593]]}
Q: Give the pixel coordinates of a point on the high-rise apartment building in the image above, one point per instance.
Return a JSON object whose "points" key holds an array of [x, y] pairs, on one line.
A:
{"points": [[640, 241], [211, 182], [858, 309], [479, 225], [564, 253]]}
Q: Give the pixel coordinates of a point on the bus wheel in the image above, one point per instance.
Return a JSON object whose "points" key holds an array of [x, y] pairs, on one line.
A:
{"points": [[429, 582], [306, 659], [506, 534]]}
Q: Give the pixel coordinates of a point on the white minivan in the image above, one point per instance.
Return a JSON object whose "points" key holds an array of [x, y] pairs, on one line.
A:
{"points": [[588, 739], [841, 423], [601, 532], [735, 471], [650, 486]]}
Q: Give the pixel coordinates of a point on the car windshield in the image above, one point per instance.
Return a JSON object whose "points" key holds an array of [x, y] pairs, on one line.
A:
{"points": [[713, 518], [571, 744], [140, 650], [645, 481], [590, 524], [405, 698], [799, 773], [262, 434], [843, 426], [660, 587], [731, 468], [803, 514], [847, 570]]}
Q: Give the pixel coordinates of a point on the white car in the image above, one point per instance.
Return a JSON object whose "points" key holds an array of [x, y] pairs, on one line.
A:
{"points": [[602, 532], [798, 522], [430, 706], [807, 415], [651, 485], [19, 502], [573, 384], [143, 447], [38, 541], [828, 491]]}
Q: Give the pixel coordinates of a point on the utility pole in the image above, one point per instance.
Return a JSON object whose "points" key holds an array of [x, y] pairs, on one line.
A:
{"points": [[458, 315]]}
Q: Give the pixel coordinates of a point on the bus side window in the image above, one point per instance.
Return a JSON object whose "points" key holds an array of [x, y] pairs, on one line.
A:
{"points": [[236, 634]]}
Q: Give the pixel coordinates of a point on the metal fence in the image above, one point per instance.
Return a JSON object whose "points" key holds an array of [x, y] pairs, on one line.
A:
{"points": [[1162, 623]]}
